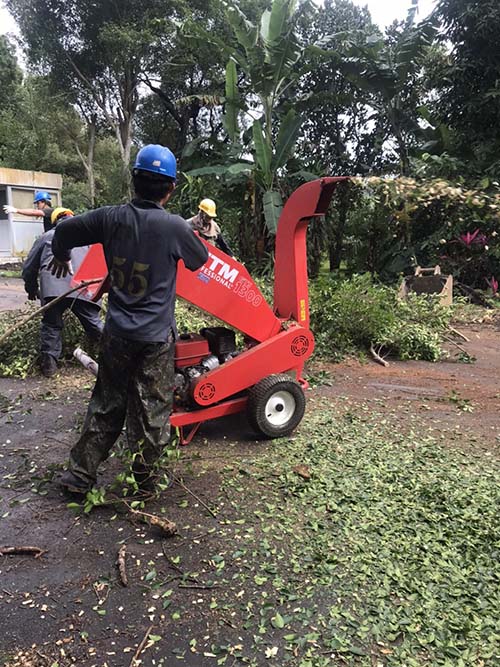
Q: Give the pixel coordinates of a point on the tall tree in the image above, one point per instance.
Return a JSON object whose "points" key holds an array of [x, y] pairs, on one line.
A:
{"points": [[335, 137], [187, 79], [95, 52], [388, 69], [469, 82], [10, 72]]}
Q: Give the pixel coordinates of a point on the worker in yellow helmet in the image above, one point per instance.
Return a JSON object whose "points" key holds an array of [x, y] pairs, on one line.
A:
{"points": [[204, 223], [60, 213]]}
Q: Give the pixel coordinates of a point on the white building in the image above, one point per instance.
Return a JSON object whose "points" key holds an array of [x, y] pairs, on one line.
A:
{"points": [[17, 188]]}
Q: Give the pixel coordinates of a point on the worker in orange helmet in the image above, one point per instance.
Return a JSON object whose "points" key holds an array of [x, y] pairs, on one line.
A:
{"points": [[204, 223], [40, 283]]}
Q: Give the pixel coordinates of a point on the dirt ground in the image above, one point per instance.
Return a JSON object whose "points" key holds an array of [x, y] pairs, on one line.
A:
{"points": [[12, 294], [69, 607]]}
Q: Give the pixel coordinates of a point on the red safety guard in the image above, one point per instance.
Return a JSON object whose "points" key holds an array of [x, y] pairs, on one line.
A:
{"points": [[93, 267], [224, 288]]}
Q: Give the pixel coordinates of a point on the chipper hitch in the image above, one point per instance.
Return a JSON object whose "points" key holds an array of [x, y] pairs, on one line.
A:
{"points": [[264, 376]]}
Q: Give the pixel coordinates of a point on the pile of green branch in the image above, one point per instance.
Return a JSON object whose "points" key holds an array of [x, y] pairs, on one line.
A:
{"points": [[357, 315], [20, 351]]}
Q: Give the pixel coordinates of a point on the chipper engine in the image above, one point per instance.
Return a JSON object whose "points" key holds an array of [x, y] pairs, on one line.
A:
{"points": [[262, 375]]}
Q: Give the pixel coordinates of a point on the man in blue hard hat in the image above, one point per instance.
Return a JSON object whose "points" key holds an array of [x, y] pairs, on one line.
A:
{"points": [[142, 245], [43, 209]]}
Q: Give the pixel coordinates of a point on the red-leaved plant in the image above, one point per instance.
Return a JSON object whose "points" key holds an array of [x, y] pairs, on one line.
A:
{"points": [[493, 285]]}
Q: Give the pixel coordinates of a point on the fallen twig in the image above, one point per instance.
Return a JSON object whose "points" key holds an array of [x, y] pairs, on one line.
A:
{"points": [[141, 646], [168, 527], [16, 551], [453, 342], [458, 333], [175, 567], [181, 484], [120, 561], [377, 357], [41, 310], [202, 586]]}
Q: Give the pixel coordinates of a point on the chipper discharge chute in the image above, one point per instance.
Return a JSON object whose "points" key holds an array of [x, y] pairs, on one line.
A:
{"points": [[262, 377]]}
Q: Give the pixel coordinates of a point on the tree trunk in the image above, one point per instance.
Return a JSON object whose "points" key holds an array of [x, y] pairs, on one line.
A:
{"points": [[315, 246], [336, 244], [90, 160]]}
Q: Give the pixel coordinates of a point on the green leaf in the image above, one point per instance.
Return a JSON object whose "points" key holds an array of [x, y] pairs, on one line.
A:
{"points": [[282, 47], [279, 19], [287, 136], [221, 169], [192, 146], [273, 206], [245, 31], [73, 506], [305, 175], [277, 621], [231, 107], [264, 25], [262, 151]]}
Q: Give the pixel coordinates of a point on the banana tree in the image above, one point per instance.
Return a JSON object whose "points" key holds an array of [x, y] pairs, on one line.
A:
{"points": [[267, 55], [387, 69]]}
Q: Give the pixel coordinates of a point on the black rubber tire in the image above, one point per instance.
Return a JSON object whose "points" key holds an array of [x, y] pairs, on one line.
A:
{"points": [[269, 424]]}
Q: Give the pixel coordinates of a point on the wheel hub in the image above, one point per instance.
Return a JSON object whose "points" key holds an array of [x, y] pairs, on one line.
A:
{"points": [[280, 408]]}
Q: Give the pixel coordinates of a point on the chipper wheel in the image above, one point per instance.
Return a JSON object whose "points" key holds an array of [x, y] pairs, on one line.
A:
{"points": [[276, 405]]}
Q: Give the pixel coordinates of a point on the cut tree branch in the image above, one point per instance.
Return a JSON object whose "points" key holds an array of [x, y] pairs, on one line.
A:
{"points": [[41, 310]]}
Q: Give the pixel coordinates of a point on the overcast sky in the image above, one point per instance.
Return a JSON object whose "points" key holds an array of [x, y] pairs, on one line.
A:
{"points": [[383, 12]]}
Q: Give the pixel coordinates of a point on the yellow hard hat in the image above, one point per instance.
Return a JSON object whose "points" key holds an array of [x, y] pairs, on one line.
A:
{"points": [[60, 212], [208, 206]]}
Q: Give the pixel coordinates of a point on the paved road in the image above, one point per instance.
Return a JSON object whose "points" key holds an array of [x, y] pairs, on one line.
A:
{"points": [[12, 294]]}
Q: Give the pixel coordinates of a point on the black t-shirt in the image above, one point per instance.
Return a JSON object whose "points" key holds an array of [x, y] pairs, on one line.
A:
{"points": [[142, 245], [47, 222]]}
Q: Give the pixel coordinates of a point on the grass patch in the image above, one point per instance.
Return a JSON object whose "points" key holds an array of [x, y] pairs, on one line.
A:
{"points": [[384, 550], [15, 273]]}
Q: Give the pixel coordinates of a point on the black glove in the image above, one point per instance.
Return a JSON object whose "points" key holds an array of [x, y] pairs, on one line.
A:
{"points": [[33, 294], [60, 269]]}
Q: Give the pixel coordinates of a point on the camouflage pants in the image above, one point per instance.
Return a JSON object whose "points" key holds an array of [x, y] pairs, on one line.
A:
{"points": [[134, 386]]}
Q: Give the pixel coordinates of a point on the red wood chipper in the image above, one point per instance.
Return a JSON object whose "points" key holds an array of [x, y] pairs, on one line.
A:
{"points": [[264, 378]]}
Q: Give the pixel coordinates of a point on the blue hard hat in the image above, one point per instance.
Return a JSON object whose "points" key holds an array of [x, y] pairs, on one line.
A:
{"points": [[157, 159], [41, 195]]}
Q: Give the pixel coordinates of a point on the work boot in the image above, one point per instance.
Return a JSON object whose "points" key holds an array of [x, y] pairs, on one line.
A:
{"points": [[145, 479], [70, 482], [48, 365]]}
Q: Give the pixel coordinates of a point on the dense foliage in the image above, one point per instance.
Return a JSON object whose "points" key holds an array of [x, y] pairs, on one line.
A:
{"points": [[347, 316], [255, 97]]}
